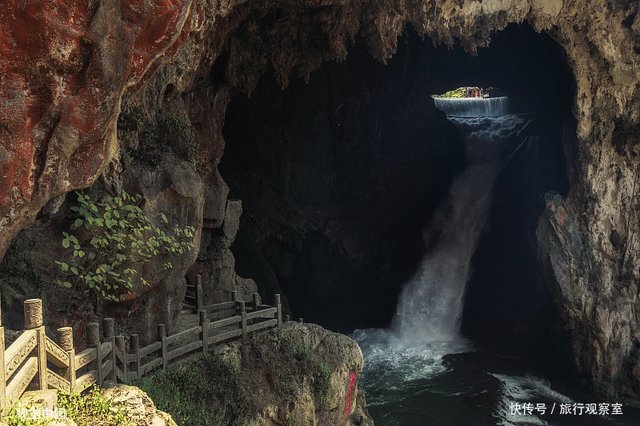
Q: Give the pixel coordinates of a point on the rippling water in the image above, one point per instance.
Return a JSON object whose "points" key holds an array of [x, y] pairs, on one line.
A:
{"points": [[454, 384]]}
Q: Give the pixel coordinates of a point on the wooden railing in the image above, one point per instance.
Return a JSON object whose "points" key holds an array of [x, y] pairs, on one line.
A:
{"points": [[35, 362]]}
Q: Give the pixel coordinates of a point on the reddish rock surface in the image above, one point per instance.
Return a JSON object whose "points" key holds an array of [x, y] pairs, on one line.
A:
{"points": [[65, 66]]}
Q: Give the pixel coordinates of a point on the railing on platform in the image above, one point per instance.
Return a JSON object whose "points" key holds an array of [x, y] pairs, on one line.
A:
{"points": [[36, 362]]}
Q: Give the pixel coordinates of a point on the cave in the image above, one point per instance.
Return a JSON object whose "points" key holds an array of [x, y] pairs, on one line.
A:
{"points": [[310, 153], [339, 176]]}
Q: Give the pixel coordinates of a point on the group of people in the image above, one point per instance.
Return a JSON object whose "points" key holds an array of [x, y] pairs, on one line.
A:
{"points": [[473, 92], [477, 92]]}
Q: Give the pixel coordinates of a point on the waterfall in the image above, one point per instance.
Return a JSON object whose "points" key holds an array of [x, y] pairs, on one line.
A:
{"points": [[430, 305], [473, 107]]}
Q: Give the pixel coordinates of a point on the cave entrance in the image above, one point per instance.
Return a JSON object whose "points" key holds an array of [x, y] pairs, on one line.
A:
{"points": [[340, 176]]}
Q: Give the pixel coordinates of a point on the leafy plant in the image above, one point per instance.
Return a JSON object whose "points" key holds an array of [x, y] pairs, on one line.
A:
{"points": [[205, 391], [14, 417], [110, 238], [91, 408], [460, 92], [87, 409], [291, 361]]}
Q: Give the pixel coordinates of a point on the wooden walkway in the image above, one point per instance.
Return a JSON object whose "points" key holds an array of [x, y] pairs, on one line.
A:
{"points": [[36, 362]]}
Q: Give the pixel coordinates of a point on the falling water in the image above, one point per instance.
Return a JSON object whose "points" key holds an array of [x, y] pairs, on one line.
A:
{"points": [[473, 107], [406, 378], [405, 362], [430, 304]]}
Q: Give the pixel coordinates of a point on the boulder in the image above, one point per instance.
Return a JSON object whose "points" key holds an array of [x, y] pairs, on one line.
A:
{"points": [[139, 407]]}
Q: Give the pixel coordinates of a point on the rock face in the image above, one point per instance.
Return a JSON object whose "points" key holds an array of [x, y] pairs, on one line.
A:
{"points": [[175, 189], [67, 67], [216, 263], [139, 407], [302, 374]]}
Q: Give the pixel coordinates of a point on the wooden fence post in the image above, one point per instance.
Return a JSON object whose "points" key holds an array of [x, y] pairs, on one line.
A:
{"points": [[110, 335], [243, 313], [65, 337], [93, 340], [278, 310], [199, 297], [162, 334], [123, 351], [255, 301], [33, 321], [135, 349], [3, 383], [204, 323]]}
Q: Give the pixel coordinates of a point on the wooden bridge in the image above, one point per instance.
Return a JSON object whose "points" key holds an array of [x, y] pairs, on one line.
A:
{"points": [[36, 362]]}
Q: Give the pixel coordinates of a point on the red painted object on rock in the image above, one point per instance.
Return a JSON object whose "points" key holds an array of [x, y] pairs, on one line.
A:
{"points": [[352, 383]]}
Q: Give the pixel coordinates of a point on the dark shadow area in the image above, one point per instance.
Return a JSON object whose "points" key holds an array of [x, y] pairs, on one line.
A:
{"points": [[508, 302], [339, 176]]}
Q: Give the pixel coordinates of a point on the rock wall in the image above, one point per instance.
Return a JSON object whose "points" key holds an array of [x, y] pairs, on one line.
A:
{"points": [[302, 374], [67, 68]]}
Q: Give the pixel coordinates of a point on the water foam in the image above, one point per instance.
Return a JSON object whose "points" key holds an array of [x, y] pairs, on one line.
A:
{"points": [[392, 363], [516, 389], [404, 360], [430, 305], [473, 107]]}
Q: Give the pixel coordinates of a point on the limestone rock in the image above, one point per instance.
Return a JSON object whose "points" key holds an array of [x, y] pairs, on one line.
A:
{"points": [[245, 287], [295, 397], [215, 202], [174, 189], [44, 400], [139, 407], [232, 220]]}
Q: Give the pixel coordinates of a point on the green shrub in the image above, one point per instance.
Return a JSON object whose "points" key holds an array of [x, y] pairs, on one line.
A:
{"points": [[110, 239], [91, 408], [460, 92], [287, 361], [205, 391], [87, 409], [310, 363]]}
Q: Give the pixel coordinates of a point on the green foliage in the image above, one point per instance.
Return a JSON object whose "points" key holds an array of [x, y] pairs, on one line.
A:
{"points": [[109, 238], [16, 273], [87, 409], [309, 363], [91, 408], [291, 361], [14, 418], [455, 93], [205, 391]]}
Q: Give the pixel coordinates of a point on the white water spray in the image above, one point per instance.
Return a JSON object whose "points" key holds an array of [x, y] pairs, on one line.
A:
{"points": [[427, 319], [406, 379], [430, 305], [473, 107]]}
